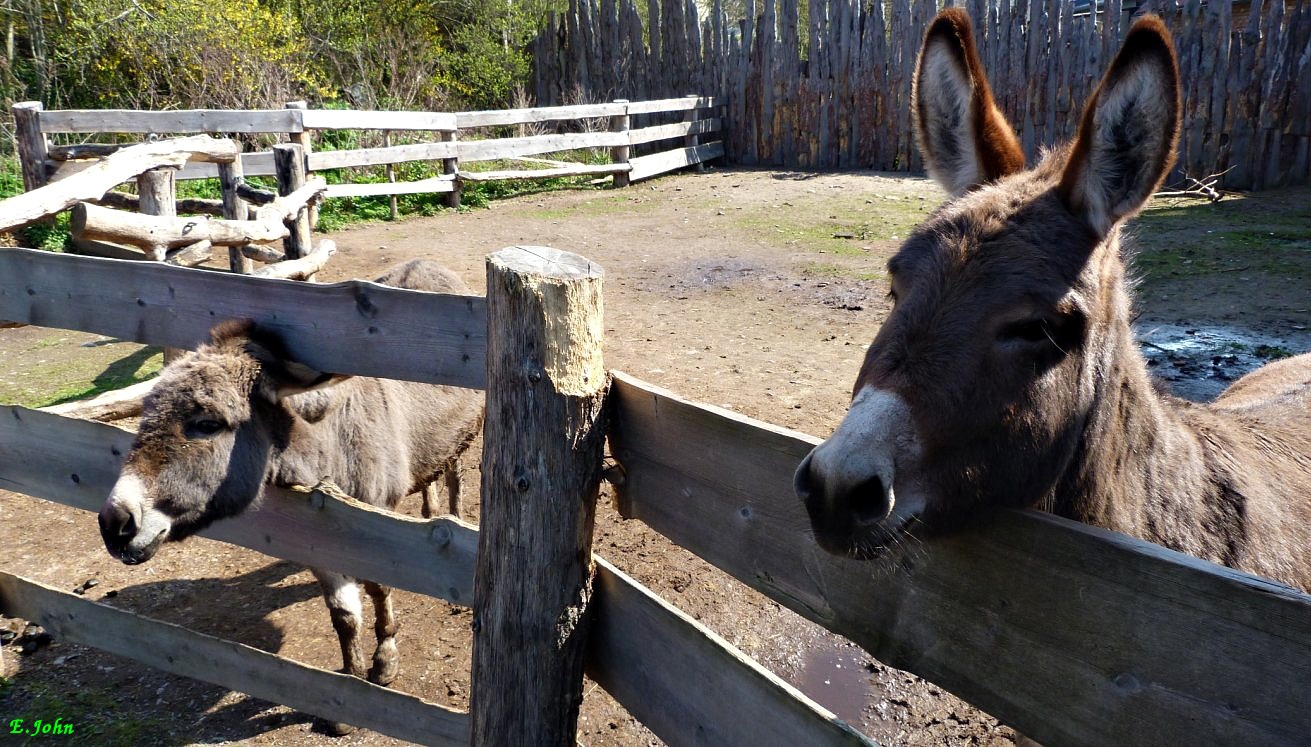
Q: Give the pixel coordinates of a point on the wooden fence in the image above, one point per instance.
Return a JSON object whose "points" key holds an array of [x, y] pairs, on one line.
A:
{"points": [[458, 140], [1072, 634], [832, 89]]}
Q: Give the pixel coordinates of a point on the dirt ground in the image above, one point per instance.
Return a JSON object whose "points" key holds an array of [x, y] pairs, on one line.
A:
{"points": [[753, 290]]}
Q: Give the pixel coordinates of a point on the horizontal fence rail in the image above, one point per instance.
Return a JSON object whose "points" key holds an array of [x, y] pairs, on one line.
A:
{"points": [[1071, 634], [827, 84], [62, 164], [355, 327], [177, 650], [75, 463]]}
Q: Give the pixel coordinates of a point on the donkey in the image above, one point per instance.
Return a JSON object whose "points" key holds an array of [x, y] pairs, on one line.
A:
{"points": [[1007, 373], [238, 413]]}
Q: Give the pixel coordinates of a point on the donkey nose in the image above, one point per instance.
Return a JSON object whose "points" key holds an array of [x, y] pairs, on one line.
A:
{"points": [[118, 525], [804, 482]]}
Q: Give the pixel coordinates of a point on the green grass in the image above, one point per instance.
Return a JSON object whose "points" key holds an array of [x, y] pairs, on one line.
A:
{"points": [[97, 715], [1261, 233], [73, 376], [836, 225]]}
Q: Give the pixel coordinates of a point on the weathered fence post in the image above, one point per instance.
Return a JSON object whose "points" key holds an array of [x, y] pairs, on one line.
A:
{"points": [[620, 153], [541, 469], [304, 138], [157, 189], [231, 176], [690, 139], [391, 177], [451, 166], [31, 143], [289, 163]]}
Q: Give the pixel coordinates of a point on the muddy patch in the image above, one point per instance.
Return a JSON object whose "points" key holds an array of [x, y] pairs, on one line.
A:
{"points": [[1201, 361]]}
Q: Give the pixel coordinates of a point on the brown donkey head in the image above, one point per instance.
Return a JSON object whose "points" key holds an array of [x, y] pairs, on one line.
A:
{"points": [[1009, 302], [202, 450]]}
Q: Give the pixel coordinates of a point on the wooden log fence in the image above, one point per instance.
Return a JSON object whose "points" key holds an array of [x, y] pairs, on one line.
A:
{"points": [[990, 614], [830, 89], [460, 141]]}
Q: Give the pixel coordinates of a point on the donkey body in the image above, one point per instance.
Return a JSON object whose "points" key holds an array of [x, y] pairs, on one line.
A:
{"points": [[1007, 373], [237, 414]]}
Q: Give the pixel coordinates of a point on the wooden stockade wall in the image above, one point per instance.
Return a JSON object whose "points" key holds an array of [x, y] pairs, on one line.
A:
{"points": [[832, 89]]}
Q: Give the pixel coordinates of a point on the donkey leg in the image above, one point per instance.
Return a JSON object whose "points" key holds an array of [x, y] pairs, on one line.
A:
{"points": [[342, 596], [386, 659], [452, 475], [430, 500]]}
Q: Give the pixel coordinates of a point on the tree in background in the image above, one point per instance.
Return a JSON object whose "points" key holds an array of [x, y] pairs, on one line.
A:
{"points": [[440, 54]]}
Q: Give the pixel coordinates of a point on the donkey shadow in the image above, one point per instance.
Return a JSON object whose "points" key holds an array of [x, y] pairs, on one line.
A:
{"points": [[110, 694]]}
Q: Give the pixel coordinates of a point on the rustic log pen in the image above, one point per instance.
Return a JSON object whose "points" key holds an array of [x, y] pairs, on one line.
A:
{"points": [[541, 470], [301, 268], [95, 181]]}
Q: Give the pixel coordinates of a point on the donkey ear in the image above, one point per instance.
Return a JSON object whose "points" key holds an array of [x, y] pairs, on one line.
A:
{"points": [[288, 378], [1129, 130], [964, 138]]}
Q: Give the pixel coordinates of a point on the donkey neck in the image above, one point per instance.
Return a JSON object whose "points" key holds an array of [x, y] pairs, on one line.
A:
{"points": [[1141, 467]]}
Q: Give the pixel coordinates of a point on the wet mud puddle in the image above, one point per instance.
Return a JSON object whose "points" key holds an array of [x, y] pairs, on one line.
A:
{"points": [[1200, 362]]}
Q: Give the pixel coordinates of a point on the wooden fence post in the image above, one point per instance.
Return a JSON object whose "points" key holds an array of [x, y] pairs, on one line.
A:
{"points": [[391, 177], [31, 143], [690, 140], [541, 470], [620, 153], [305, 140], [289, 162], [157, 189], [452, 166], [231, 176]]}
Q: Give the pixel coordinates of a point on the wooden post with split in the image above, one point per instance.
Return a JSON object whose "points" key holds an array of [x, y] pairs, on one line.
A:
{"points": [[451, 167], [289, 163], [158, 191], [541, 470], [305, 139], [620, 153], [391, 178], [30, 143], [231, 177]]}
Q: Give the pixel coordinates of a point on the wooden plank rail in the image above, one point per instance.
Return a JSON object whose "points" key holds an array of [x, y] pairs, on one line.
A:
{"points": [[97, 179], [645, 167], [181, 121], [1071, 634], [177, 650], [355, 327], [75, 463]]}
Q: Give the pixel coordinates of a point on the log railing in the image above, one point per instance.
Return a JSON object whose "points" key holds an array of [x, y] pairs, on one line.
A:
{"points": [[457, 139]]}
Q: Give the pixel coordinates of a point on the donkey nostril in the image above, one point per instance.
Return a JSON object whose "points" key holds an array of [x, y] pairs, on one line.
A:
{"points": [[801, 479], [870, 502]]}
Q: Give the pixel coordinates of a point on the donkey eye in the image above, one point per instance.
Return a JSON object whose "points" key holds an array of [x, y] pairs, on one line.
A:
{"points": [[1029, 330], [203, 428]]}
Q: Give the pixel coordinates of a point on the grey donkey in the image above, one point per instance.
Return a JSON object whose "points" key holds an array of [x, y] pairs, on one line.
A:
{"points": [[238, 414]]}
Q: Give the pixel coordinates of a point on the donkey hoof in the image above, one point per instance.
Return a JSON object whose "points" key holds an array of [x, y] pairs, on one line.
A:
{"points": [[335, 728], [383, 672]]}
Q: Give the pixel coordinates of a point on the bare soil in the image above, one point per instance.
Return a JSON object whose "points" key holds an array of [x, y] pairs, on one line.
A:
{"points": [[753, 290]]}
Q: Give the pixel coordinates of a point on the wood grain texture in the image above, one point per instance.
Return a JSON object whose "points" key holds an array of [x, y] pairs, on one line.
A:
{"points": [[509, 147], [180, 121], [176, 650], [289, 162], [259, 163], [840, 99], [497, 117], [95, 180], [687, 684], [571, 170], [30, 143], [541, 472], [645, 167], [355, 327], [336, 159], [346, 119], [1071, 634], [676, 130], [157, 234], [75, 462]]}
